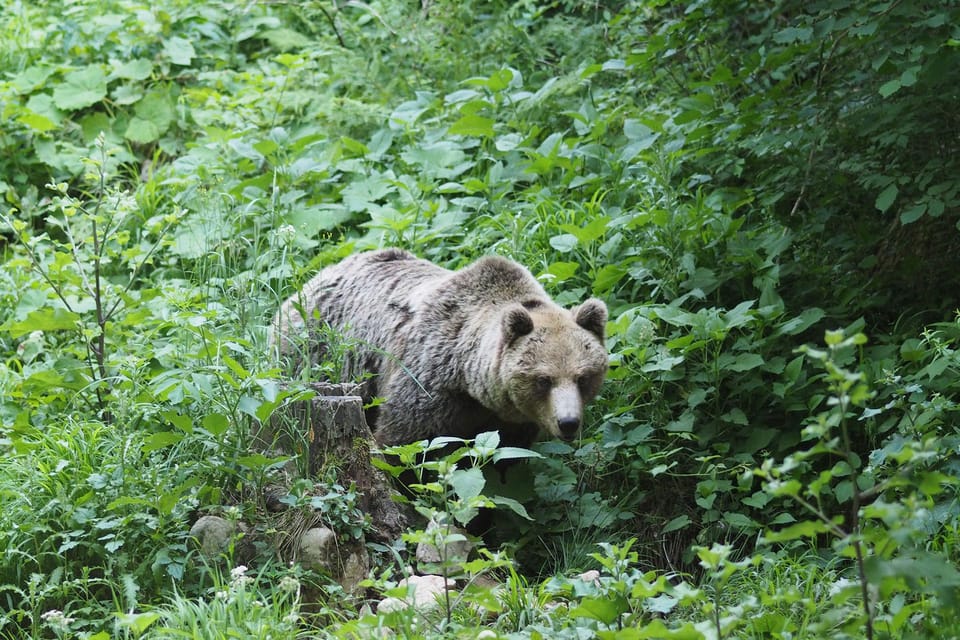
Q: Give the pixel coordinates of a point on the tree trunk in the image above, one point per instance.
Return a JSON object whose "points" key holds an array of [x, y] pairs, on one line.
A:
{"points": [[330, 429]]}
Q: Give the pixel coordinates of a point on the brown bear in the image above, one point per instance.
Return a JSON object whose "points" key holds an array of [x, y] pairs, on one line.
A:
{"points": [[454, 353]]}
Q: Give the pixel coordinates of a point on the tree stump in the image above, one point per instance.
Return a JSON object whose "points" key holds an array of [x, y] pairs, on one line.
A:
{"points": [[330, 429]]}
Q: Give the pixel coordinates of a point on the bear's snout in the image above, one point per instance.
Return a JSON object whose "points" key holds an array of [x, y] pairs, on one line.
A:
{"points": [[568, 428]]}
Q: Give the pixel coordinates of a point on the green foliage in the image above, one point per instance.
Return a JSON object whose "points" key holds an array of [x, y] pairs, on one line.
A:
{"points": [[734, 178]]}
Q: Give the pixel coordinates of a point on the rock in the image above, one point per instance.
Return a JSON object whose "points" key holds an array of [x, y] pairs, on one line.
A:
{"points": [[318, 550], [423, 593], [456, 550], [213, 535], [355, 569], [217, 538], [590, 576]]}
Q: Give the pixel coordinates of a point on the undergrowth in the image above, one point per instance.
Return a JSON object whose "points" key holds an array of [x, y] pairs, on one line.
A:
{"points": [[765, 195]]}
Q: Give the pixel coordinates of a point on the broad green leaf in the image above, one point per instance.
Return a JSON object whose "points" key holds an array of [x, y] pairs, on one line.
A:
{"points": [[793, 34], [512, 505], [31, 78], [801, 323], [139, 622], [472, 125], [593, 230], [135, 69], [94, 124], [677, 523], [42, 105], [909, 77], [914, 213], [608, 277], [740, 315], [161, 440], [513, 453], [37, 122], [48, 319], [504, 78], [215, 423], [179, 420], [487, 440], [142, 131], [739, 521], [890, 87], [126, 94], [746, 362], [311, 221], [886, 197], [179, 50], [81, 88], [805, 529], [641, 138], [256, 461], [604, 609], [285, 39], [467, 483], [154, 114], [564, 243], [560, 271]]}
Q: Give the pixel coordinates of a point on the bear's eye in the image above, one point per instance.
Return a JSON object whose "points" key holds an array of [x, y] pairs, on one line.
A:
{"points": [[543, 384], [584, 383]]}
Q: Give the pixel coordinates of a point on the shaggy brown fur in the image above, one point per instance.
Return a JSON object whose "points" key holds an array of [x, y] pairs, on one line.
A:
{"points": [[455, 353]]}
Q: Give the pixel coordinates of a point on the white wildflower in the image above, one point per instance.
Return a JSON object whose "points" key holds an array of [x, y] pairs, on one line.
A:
{"points": [[56, 618]]}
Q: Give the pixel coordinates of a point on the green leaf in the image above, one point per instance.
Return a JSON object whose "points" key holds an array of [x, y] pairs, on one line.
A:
{"points": [[513, 453], [603, 609], [560, 271], [179, 50], [913, 213], [472, 125], [512, 505], [138, 622], [47, 319], [805, 529], [886, 197], [564, 243], [81, 88], [94, 124], [135, 69], [641, 138], [37, 122], [31, 78], [746, 362], [257, 461], [179, 420], [467, 483], [154, 114], [285, 39], [161, 440], [793, 34], [487, 440], [677, 523], [215, 423], [889, 88], [740, 521]]}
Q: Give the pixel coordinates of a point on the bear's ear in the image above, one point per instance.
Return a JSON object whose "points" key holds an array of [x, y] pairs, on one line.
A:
{"points": [[592, 316], [516, 322]]}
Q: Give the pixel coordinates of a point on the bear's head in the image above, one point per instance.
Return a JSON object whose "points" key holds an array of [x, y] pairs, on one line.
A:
{"points": [[553, 362]]}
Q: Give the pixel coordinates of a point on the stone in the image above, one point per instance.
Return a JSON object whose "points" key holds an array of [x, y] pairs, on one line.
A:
{"points": [[423, 593], [455, 551], [318, 550], [213, 535]]}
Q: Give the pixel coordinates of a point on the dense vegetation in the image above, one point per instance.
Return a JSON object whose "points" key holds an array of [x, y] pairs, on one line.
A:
{"points": [[767, 195]]}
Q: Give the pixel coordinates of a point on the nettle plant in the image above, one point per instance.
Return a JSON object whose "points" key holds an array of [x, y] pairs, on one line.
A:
{"points": [[88, 267], [879, 511]]}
